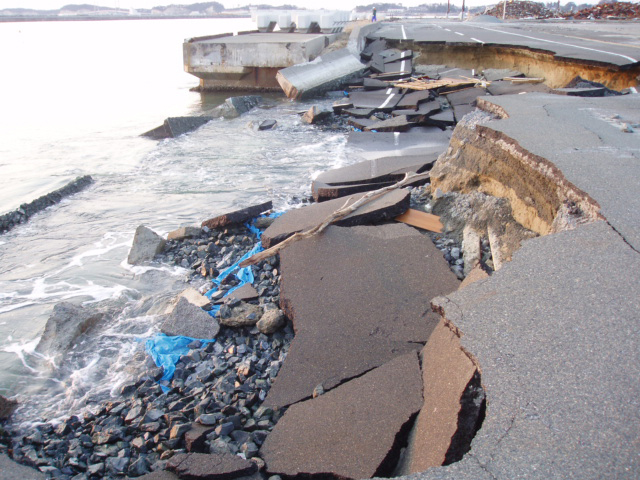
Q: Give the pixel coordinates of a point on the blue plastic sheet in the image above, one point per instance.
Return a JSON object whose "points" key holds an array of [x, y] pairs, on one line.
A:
{"points": [[244, 275], [166, 351]]}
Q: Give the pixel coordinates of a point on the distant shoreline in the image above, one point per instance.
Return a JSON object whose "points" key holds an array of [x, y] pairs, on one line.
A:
{"points": [[88, 18]]}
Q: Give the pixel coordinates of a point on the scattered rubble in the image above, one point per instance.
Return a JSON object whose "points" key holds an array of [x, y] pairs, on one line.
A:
{"points": [[314, 115], [6, 407], [267, 125], [189, 320]]}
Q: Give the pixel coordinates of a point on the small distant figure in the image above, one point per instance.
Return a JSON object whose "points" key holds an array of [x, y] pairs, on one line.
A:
{"points": [[374, 18]]}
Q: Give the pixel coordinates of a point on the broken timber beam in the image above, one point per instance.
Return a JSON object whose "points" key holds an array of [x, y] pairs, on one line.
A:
{"points": [[419, 219]]}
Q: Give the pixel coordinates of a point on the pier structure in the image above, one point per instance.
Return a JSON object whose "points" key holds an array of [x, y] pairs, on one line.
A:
{"points": [[251, 60]]}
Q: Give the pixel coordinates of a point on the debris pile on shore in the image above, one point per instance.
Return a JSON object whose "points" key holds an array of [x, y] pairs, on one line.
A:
{"points": [[610, 11], [521, 10]]}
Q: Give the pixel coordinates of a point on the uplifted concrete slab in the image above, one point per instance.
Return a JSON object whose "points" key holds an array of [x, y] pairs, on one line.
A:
{"points": [[358, 297], [387, 207], [555, 333], [584, 139], [412, 99], [328, 72], [466, 96], [349, 432]]}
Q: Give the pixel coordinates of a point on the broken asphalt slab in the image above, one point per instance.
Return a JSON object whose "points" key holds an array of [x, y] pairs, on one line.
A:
{"points": [[237, 216], [555, 333], [378, 170], [323, 192], [414, 142], [395, 124], [586, 140], [378, 100], [446, 372], [354, 431], [387, 207], [357, 297], [191, 466]]}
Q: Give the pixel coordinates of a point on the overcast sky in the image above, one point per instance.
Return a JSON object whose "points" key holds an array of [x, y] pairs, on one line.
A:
{"points": [[313, 4]]}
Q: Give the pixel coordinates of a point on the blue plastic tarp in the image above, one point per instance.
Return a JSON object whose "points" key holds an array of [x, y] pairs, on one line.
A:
{"points": [[244, 275], [167, 350]]}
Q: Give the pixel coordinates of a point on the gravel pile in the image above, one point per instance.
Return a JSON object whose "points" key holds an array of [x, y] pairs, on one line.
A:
{"points": [[449, 245]]}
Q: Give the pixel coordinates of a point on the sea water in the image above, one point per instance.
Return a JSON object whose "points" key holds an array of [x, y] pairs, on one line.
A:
{"points": [[75, 97]]}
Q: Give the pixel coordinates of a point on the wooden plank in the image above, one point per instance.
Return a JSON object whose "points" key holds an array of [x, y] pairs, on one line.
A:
{"points": [[420, 84], [419, 219], [524, 80]]}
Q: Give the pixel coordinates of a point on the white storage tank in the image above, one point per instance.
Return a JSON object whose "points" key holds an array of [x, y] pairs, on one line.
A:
{"points": [[284, 21], [303, 20]]}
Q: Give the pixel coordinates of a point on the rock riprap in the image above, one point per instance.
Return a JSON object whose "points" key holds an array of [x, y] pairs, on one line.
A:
{"points": [[358, 297], [352, 431]]}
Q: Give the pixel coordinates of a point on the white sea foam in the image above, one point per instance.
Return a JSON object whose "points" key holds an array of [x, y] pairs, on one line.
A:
{"points": [[62, 290], [23, 349], [140, 269], [108, 243]]}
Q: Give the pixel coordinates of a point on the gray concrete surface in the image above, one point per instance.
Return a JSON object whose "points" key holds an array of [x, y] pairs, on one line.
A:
{"points": [[556, 335], [584, 138], [566, 40]]}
